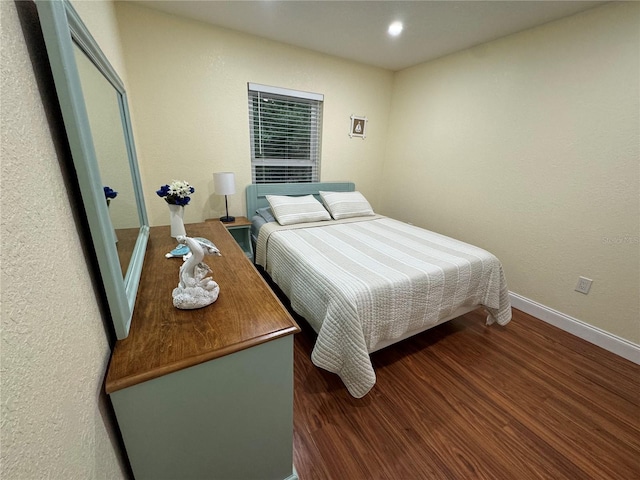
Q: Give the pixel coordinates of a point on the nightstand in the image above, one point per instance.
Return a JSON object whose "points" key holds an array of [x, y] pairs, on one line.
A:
{"points": [[240, 230]]}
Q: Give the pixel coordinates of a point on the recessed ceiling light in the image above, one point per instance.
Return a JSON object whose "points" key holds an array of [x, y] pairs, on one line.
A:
{"points": [[395, 29]]}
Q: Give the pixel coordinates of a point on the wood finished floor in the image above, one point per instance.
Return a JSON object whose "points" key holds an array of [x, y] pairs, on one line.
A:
{"points": [[466, 401]]}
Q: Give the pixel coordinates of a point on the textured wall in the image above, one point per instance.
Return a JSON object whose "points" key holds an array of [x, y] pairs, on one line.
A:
{"points": [[529, 146], [188, 93], [54, 347]]}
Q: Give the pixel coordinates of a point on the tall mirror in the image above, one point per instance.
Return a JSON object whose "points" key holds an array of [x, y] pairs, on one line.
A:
{"points": [[96, 117]]}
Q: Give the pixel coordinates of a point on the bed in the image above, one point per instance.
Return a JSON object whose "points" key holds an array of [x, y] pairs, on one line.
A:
{"points": [[364, 282]]}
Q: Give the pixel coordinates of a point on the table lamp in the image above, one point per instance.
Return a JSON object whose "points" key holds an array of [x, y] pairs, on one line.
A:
{"points": [[224, 183]]}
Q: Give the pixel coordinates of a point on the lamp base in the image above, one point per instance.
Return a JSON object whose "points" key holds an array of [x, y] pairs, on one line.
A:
{"points": [[227, 219]]}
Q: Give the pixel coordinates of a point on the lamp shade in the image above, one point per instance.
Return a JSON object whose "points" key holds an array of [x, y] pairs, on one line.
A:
{"points": [[224, 183]]}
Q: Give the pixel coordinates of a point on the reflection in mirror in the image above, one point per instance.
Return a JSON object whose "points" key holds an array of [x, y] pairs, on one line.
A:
{"points": [[104, 112]]}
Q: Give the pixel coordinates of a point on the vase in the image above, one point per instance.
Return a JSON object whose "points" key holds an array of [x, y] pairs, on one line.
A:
{"points": [[176, 213], [113, 230]]}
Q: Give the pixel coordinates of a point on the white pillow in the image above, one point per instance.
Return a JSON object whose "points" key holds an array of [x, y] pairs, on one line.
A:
{"points": [[346, 204], [290, 210]]}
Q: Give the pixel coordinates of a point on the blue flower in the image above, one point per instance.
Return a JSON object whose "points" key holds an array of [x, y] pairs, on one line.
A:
{"points": [[109, 193], [164, 191]]}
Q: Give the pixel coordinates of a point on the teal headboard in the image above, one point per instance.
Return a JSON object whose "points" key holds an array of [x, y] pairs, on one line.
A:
{"points": [[256, 192]]}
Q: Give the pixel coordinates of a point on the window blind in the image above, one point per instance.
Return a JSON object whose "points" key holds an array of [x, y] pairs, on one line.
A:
{"points": [[285, 128]]}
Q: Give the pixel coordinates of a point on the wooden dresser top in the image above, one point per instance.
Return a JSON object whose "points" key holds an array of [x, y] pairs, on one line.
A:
{"points": [[164, 339]]}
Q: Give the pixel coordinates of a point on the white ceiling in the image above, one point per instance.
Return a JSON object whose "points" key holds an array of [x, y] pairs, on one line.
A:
{"points": [[357, 30]]}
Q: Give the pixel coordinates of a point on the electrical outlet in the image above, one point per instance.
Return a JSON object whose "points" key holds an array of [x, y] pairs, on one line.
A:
{"points": [[584, 284]]}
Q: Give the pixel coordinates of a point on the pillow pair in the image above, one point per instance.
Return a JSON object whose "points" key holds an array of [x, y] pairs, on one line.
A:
{"points": [[291, 210]]}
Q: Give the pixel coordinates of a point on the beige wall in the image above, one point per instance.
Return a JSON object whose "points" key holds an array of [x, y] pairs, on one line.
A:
{"points": [[188, 91], [529, 146], [54, 348], [100, 18]]}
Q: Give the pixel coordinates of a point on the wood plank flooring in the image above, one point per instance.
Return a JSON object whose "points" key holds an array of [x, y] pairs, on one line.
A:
{"points": [[466, 401]]}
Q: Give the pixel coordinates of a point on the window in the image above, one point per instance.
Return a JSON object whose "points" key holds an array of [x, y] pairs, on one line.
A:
{"points": [[285, 128]]}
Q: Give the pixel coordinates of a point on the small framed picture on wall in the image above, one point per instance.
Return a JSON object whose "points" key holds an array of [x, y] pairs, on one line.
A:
{"points": [[358, 126]]}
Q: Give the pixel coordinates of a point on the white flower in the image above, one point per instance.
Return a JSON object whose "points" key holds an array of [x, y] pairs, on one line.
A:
{"points": [[180, 188]]}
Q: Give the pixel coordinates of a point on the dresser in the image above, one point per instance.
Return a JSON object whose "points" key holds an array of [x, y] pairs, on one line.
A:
{"points": [[206, 393]]}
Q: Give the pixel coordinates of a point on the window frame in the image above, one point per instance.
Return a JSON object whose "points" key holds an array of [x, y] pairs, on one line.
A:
{"points": [[316, 101]]}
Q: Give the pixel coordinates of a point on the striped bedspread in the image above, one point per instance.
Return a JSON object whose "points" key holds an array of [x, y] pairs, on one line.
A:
{"points": [[364, 280]]}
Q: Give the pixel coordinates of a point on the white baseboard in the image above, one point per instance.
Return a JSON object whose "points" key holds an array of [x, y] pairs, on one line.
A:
{"points": [[591, 334]]}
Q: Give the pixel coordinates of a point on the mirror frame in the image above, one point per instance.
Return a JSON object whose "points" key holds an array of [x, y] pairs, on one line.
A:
{"points": [[62, 27]]}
